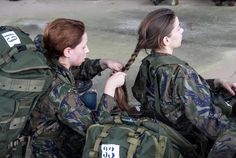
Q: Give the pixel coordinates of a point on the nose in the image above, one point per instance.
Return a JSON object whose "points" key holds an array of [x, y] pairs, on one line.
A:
{"points": [[86, 50], [182, 29]]}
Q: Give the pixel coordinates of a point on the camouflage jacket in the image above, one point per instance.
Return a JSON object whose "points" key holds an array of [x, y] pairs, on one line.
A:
{"points": [[183, 97], [62, 103]]}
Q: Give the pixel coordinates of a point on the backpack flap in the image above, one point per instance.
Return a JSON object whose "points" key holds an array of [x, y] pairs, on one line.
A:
{"points": [[17, 51], [9, 38], [25, 60]]}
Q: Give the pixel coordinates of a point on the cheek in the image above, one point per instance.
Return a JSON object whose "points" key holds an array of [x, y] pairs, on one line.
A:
{"points": [[81, 56]]}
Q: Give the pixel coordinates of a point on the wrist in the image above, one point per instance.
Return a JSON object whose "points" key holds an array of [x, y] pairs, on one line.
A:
{"points": [[216, 83], [109, 90], [103, 64]]}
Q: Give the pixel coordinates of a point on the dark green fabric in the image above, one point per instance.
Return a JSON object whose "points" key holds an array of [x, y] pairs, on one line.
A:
{"points": [[142, 137], [150, 99], [24, 77], [176, 94]]}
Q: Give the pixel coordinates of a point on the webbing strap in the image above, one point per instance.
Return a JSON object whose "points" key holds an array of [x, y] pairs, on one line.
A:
{"points": [[46, 126], [103, 134], [6, 57], [14, 147], [157, 96], [117, 120], [28, 152], [14, 143], [134, 142], [160, 145], [21, 84]]}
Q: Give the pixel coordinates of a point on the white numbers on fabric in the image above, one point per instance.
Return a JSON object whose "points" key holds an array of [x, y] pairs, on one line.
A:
{"points": [[110, 151], [11, 38]]}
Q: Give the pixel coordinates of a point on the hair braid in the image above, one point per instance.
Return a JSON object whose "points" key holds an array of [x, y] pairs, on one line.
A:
{"points": [[130, 61], [154, 27], [121, 94]]}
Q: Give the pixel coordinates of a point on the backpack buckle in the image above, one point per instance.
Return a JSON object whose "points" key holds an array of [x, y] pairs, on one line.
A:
{"points": [[21, 48], [5, 58]]}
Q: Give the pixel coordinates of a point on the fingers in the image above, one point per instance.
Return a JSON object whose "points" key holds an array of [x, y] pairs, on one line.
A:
{"points": [[230, 87], [119, 75], [234, 86], [117, 67], [118, 78], [114, 65], [230, 90]]}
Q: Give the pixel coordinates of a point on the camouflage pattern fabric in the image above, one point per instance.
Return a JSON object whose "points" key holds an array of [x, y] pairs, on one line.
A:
{"points": [[186, 100], [224, 146], [62, 106]]}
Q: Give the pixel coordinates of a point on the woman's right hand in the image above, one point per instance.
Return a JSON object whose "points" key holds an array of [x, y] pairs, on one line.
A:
{"points": [[115, 80], [229, 86]]}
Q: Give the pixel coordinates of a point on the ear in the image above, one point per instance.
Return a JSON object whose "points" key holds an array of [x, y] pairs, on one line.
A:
{"points": [[67, 52], [165, 41]]}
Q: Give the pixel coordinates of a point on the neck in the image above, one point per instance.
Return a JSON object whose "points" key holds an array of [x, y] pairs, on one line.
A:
{"points": [[64, 62], [164, 50]]}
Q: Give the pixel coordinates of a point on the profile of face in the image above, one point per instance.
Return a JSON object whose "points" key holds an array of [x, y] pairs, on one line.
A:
{"points": [[176, 35], [66, 40], [78, 54]]}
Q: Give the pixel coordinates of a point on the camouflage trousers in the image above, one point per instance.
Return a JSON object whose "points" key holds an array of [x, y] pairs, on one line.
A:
{"points": [[225, 146], [67, 144], [45, 148]]}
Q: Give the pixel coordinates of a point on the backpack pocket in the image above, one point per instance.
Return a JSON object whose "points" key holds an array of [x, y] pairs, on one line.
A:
{"points": [[7, 113], [13, 117], [7, 110]]}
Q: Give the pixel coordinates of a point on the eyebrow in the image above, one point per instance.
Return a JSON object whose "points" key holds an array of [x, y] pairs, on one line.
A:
{"points": [[176, 26]]}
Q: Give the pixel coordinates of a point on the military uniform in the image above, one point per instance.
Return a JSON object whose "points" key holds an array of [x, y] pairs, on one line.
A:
{"points": [[181, 98], [62, 106]]}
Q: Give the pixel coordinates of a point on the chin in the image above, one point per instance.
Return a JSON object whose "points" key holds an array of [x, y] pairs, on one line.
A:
{"points": [[78, 64], [180, 44]]}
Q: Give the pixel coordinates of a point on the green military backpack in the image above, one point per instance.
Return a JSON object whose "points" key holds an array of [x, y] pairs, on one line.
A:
{"points": [[24, 77], [125, 137]]}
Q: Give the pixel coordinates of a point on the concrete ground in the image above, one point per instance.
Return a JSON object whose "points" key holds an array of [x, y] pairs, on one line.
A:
{"points": [[209, 37]]}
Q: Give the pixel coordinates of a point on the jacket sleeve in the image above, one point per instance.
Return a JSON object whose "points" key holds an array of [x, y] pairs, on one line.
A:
{"points": [[195, 95], [211, 83], [73, 112], [88, 69], [107, 107]]}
